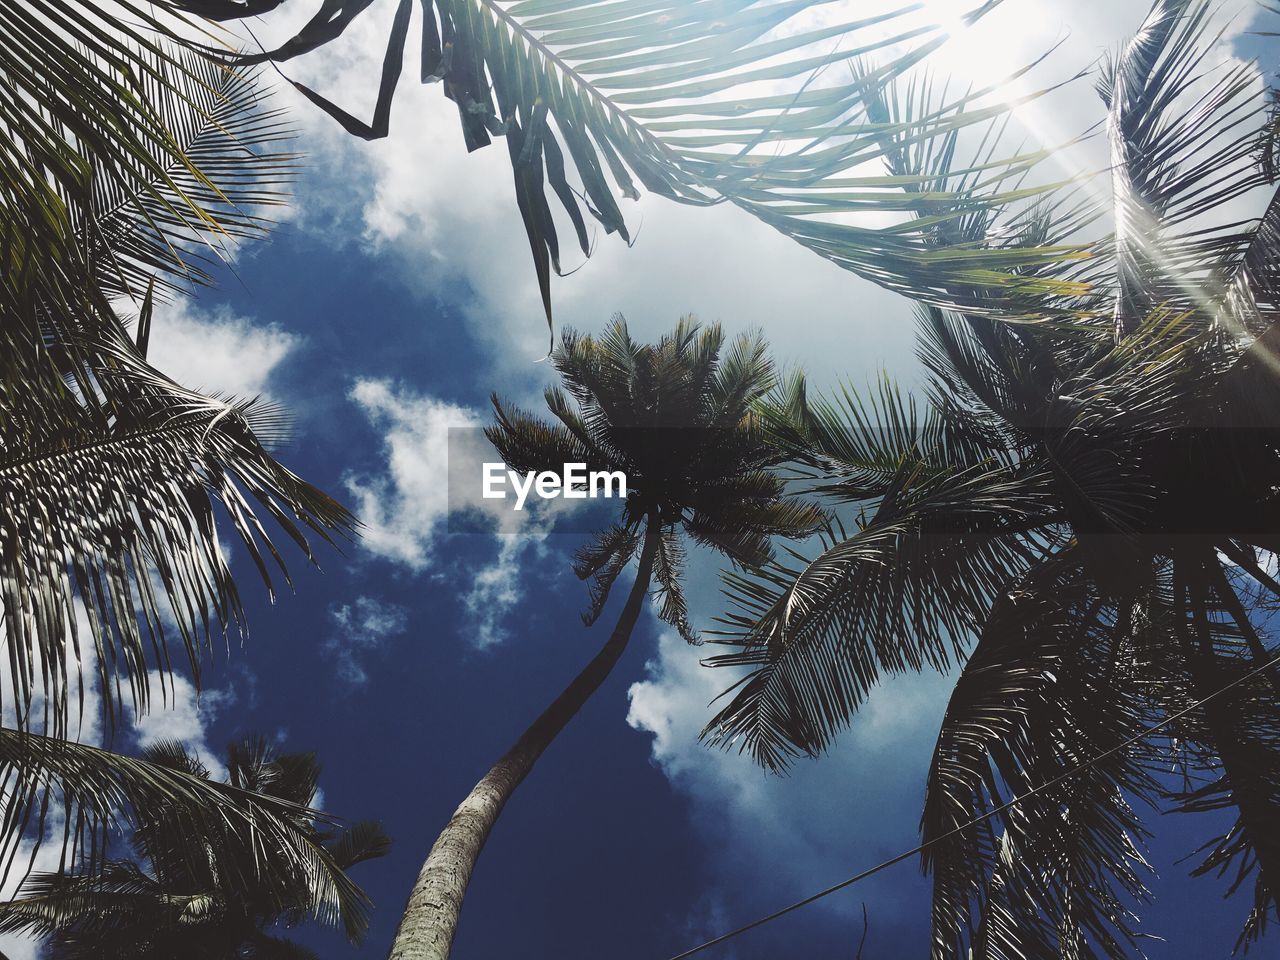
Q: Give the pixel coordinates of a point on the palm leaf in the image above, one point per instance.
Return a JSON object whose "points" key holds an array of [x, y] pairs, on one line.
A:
{"points": [[96, 793], [96, 498], [1184, 141], [88, 118], [721, 100], [1056, 875], [230, 165], [901, 593], [1238, 739]]}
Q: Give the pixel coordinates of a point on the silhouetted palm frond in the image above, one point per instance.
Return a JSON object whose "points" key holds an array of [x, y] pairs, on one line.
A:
{"points": [[777, 107], [216, 863]]}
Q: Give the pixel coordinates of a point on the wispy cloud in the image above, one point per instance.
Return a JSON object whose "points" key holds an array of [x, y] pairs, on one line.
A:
{"points": [[405, 505], [773, 839], [498, 587], [182, 714], [358, 628]]}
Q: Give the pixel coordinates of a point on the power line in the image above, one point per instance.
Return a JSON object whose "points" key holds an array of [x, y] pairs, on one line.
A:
{"points": [[972, 823]]}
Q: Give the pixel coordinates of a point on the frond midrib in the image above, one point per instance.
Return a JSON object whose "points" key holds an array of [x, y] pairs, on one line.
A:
{"points": [[531, 40], [76, 449]]}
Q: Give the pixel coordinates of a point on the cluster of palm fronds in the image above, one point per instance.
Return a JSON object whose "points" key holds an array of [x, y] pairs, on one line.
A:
{"points": [[778, 107], [263, 858], [1085, 521], [127, 166]]}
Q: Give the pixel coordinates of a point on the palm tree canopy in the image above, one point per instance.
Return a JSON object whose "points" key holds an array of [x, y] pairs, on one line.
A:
{"points": [[109, 471], [677, 419], [1032, 523], [214, 870], [105, 122], [781, 108]]}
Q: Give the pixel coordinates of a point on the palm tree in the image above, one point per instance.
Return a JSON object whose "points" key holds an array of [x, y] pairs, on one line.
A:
{"points": [[675, 418], [1080, 518], [105, 118], [765, 105], [203, 893], [110, 471], [126, 165]]}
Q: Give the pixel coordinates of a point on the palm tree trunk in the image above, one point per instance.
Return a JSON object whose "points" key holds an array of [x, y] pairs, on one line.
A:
{"points": [[431, 916]]}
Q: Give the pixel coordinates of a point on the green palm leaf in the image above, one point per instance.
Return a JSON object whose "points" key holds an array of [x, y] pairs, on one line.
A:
{"points": [[229, 163], [741, 101], [99, 111], [97, 498], [96, 793]]}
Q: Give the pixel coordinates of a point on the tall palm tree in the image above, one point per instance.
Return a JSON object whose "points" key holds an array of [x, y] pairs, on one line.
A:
{"points": [[765, 104], [675, 417], [203, 894], [1080, 518]]}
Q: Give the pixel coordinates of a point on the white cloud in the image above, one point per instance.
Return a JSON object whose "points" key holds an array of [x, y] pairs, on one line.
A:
{"points": [[181, 713], [781, 838], [360, 627], [433, 450], [405, 508], [217, 351], [496, 588]]}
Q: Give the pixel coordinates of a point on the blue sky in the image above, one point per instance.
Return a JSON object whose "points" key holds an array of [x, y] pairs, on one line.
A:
{"points": [[389, 304]]}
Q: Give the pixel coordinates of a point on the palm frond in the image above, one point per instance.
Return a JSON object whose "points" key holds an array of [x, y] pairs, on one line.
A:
{"points": [[1183, 136], [119, 894], [526, 442], [668, 568], [102, 491], [98, 112], [230, 165], [95, 793], [365, 840], [904, 592], [1059, 874], [1240, 744], [722, 100], [1251, 300], [602, 562]]}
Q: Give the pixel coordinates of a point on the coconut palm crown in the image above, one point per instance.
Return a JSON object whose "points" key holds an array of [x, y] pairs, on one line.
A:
{"points": [[1082, 520], [197, 886], [678, 419]]}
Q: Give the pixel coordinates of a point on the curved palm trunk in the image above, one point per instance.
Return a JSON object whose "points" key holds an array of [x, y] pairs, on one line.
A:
{"points": [[431, 916]]}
